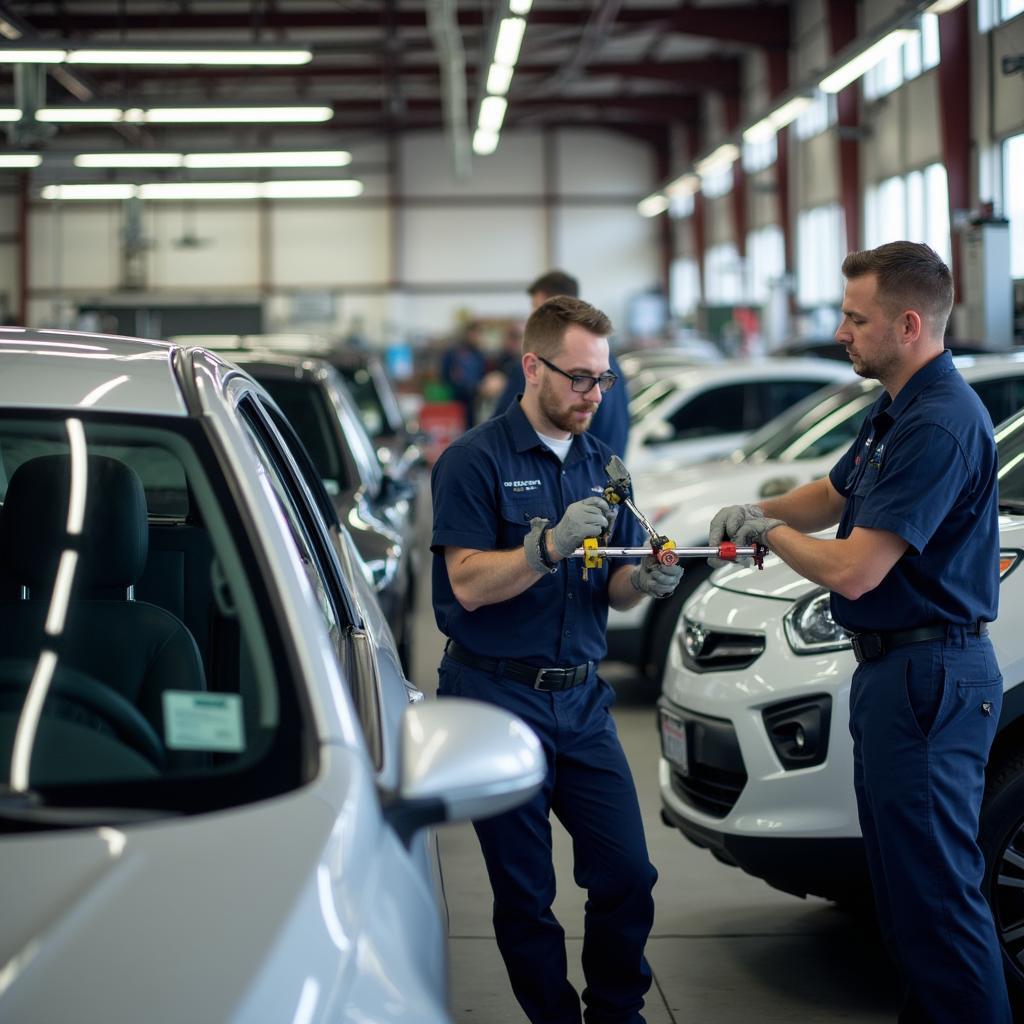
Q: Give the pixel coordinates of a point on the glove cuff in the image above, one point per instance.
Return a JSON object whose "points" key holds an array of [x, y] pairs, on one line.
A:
{"points": [[537, 560]]}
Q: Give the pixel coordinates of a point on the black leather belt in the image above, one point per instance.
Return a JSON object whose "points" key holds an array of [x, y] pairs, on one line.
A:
{"points": [[539, 678], [868, 646]]}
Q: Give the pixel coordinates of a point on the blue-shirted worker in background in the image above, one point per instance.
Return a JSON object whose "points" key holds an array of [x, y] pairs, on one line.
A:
{"points": [[611, 420], [914, 577], [513, 499]]}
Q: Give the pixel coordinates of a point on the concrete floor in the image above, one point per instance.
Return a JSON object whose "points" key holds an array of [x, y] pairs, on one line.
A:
{"points": [[725, 947]]}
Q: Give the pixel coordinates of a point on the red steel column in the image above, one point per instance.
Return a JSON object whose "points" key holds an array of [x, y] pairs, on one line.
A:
{"points": [[778, 83], [842, 23], [955, 117], [740, 218]]}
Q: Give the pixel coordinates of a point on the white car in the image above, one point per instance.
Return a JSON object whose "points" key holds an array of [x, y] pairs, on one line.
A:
{"points": [[217, 786], [795, 448], [705, 412], [757, 760]]}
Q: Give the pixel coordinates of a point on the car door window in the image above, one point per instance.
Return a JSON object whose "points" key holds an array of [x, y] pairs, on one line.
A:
{"points": [[321, 567], [776, 396], [1002, 397], [719, 410]]}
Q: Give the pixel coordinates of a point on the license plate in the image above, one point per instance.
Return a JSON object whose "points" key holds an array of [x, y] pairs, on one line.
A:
{"points": [[673, 742]]}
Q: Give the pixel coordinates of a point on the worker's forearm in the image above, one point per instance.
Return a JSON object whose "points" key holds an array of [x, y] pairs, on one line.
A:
{"points": [[621, 592], [480, 578], [812, 507], [833, 564]]}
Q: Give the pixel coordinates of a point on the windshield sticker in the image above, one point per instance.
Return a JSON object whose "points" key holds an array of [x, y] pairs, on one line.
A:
{"points": [[203, 721]]}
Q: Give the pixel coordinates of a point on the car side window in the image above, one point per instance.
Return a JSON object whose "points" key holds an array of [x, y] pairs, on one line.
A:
{"points": [[776, 396], [1002, 397], [718, 410]]}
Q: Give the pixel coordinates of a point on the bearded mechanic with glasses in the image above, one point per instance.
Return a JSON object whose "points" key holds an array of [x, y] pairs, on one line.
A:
{"points": [[513, 498]]}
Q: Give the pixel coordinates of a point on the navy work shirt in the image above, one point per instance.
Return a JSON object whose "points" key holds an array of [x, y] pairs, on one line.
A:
{"points": [[611, 420], [487, 486], [924, 467]]}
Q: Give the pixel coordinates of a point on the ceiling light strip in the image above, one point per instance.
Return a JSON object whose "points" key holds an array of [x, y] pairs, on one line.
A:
{"points": [[184, 115], [342, 188], [185, 56]]}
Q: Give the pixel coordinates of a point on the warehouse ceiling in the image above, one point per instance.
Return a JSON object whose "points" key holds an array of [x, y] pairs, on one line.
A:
{"points": [[640, 66]]}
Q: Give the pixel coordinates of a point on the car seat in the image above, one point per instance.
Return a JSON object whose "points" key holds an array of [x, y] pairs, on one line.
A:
{"points": [[137, 649]]}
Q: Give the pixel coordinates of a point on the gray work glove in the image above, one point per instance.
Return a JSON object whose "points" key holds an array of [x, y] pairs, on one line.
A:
{"points": [[651, 577], [755, 531], [726, 525], [589, 517]]}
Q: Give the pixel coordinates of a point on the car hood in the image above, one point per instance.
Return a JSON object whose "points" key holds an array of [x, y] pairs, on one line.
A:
{"points": [[175, 920], [681, 503]]}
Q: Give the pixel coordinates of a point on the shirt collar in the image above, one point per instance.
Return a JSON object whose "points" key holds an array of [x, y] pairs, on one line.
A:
{"points": [[925, 376], [524, 437]]}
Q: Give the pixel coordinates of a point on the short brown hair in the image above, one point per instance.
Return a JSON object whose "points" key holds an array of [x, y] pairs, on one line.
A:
{"points": [[910, 275], [546, 327], [555, 282]]}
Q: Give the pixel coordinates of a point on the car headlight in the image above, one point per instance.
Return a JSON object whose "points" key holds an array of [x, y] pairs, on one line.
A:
{"points": [[810, 627]]}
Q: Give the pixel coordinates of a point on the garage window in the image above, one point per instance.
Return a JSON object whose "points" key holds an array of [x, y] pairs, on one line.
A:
{"points": [[1013, 198], [821, 245], [914, 206]]}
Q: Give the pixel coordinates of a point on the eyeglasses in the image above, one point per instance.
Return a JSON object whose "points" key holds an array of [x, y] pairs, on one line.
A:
{"points": [[581, 382]]}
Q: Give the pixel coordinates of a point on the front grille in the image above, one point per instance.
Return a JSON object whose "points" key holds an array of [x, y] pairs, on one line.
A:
{"points": [[712, 650], [717, 773]]}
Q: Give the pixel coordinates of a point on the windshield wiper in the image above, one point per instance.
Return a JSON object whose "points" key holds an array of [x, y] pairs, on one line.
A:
{"points": [[29, 810]]}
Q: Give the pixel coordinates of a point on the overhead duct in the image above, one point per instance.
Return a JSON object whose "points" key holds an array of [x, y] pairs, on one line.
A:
{"points": [[443, 23]]}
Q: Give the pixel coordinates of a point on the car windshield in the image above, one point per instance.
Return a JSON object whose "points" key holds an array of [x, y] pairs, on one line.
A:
{"points": [[1010, 446], [363, 390], [138, 663], [816, 426], [650, 397]]}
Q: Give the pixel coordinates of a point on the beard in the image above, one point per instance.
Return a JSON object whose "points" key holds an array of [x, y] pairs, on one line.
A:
{"points": [[883, 362], [565, 418]]}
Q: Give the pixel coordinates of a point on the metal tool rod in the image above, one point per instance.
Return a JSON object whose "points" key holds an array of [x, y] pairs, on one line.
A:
{"points": [[705, 552]]}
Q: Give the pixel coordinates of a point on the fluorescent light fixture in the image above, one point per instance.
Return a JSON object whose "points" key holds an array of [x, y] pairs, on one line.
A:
{"points": [[865, 60], [943, 6], [776, 119], [484, 142], [189, 56], [32, 56], [204, 115], [686, 185], [510, 38], [311, 158], [20, 159], [499, 78], [89, 191], [80, 115], [718, 161], [128, 160], [520, 7], [652, 205], [341, 188], [492, 113], [184, 115], [10, 114]]}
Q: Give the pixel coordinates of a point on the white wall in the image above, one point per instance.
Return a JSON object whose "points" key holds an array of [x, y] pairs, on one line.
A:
{"points": [[416, 252]]}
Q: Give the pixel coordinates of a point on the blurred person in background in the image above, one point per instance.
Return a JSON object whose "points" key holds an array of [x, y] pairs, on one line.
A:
{"points": [[462, 369]]}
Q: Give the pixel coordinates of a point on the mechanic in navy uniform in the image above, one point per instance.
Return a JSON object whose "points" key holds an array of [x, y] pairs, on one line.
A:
{"points": [[914, 577], [513, 499], [611, 421]]}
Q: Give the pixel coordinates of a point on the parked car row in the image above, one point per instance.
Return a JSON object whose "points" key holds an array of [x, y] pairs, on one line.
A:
{"points": [[218, 785]]}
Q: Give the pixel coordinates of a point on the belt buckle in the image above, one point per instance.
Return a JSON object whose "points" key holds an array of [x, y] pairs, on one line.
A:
{"points": [[538, 682], [866, 646]]}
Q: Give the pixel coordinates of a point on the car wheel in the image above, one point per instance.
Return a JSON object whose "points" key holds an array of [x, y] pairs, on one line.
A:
{"points": [[1001, 837], [665, 616]]}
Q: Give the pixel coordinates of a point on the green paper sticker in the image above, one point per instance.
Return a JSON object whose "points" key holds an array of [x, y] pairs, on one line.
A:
{"points": [[203, 721]]}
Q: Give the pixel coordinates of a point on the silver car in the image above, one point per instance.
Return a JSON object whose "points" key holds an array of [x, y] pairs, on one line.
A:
{"points": [[217, 787]]}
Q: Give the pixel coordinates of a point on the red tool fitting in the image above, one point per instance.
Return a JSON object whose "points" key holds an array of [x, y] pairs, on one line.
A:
{"points": [[666, 556], [727, 550]]}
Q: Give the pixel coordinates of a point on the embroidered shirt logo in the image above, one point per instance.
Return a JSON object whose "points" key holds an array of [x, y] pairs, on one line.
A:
{"points": [[519, 486]]}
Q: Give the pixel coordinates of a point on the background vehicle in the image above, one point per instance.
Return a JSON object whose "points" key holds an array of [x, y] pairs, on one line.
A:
{"points": [[221, 771], [375, 507], [795, 448], [757, 759], [705, 412]]}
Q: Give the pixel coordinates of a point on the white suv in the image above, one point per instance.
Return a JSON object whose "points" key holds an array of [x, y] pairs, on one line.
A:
{"points": [[757, 759], [795, 448]]}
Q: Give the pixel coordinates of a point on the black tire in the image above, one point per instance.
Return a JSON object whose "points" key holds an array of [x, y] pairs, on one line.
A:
{"points": [[1001, 837], [666, 614]]}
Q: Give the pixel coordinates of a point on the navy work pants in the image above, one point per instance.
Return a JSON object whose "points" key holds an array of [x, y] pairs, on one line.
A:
{"points": [[923, 718], [591, 791]]}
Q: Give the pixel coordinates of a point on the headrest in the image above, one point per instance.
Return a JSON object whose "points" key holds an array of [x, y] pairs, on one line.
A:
{"points": [[112, 551]]}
